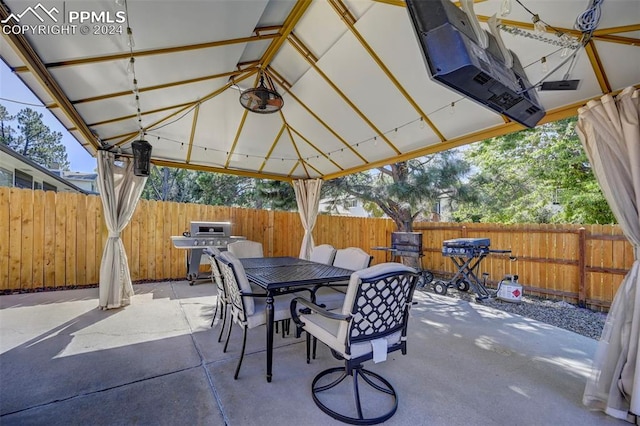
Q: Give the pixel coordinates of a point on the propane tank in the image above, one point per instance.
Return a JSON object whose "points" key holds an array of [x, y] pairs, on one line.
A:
{"points": [[509, 289]]}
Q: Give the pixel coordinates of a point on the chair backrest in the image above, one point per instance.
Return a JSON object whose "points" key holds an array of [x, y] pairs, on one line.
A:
{"points": [[378, 299], [324, 253], [353, 258], [243, 249], [213, 252], [236, 281]]}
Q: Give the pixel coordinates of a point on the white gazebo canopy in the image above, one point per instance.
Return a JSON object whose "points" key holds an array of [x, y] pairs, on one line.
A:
{"points": [[356, 90]]}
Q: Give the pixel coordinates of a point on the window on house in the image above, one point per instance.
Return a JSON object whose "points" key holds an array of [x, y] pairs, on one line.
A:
{"points": [[23, 180], [6, 177], [349, 204], [48, 187], [37, 185], [436, 207]]}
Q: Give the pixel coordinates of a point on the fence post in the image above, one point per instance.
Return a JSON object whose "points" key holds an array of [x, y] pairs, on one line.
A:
{"points": [[464, 231], [582, 267]]}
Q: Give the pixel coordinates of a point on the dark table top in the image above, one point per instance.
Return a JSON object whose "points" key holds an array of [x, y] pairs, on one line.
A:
{"points": [[272, 262], [273, 273]]}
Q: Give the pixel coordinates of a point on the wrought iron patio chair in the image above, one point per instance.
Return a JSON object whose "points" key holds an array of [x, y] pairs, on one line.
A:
{"points": [[247, 306], [222, 301], [372, 323]]}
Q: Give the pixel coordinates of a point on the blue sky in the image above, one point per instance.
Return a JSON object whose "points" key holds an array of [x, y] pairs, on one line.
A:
{"points": [[14, 94]]}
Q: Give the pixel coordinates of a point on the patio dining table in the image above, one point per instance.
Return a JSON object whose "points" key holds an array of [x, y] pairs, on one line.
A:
{"points": [[281, 275]]}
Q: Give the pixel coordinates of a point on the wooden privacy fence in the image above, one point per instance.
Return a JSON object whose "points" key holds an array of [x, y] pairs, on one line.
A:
{"points": [[50, 240]]}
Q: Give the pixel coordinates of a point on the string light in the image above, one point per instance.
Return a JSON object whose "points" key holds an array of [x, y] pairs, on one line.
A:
{"points": [[131, 69], [545, 67], [565, 50], [452, 108], [130, 42], [338, 151], [539, 27], [505, 7]]}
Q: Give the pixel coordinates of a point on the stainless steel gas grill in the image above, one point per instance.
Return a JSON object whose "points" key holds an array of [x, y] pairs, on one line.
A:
{"points": [[466, 254], [201, 235]]}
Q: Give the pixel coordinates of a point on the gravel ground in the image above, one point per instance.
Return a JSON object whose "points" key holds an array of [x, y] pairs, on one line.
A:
{"points": [[558, 313]]}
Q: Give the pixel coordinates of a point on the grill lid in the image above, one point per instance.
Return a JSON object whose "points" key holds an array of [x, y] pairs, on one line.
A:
{"points": [[407, 241], [217, 229]]}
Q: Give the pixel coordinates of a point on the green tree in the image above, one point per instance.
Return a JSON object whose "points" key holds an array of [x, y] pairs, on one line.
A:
{"points": [[538, 175], [219, 189], [7, 133], [275, 194], [406, 189], [35, 140], [181, 185], [170, 184]]}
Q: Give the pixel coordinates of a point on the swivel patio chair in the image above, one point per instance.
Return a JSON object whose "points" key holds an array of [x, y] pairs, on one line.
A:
{"points": [[244, 249], [324, 253], [247, 306], [372, 323]]}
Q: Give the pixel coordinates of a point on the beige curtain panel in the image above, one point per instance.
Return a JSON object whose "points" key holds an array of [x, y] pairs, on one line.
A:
{"points": [[610, 133], [120, 192], [308, 199]]}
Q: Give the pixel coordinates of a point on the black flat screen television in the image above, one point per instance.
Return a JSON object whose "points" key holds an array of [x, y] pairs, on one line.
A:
{"points": [[455, 59]]}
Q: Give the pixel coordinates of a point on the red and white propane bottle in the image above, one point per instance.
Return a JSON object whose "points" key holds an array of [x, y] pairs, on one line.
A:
{"points": [[509, 289]]}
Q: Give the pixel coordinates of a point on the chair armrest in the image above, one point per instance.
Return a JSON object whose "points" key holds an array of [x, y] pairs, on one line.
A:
{"points": [[315, 308]]}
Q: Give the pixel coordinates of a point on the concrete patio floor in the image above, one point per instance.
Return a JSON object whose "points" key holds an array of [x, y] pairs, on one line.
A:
{"points": [[157, 362]]}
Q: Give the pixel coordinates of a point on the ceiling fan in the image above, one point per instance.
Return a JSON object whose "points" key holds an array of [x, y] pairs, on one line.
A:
{"points": [[263, 99]]}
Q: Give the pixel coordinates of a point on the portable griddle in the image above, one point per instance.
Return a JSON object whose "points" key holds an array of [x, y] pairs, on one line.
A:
{"points": [[466, 254]]}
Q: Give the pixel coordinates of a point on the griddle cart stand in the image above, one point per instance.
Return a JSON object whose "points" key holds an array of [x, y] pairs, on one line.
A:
{"points": [[466, 254]]}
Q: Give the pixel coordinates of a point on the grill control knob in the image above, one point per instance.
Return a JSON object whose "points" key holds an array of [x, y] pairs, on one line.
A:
{"points": [[195, 242]]}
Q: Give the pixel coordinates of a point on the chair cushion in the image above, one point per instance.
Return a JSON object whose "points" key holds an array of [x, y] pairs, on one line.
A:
{"points": [[242, 281], [329, 297], [334, 332], [215, 270], [281, 309], [352, 258], [327, 331], [214, 250], [323, 253], [356, 279], [245, 249]]}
